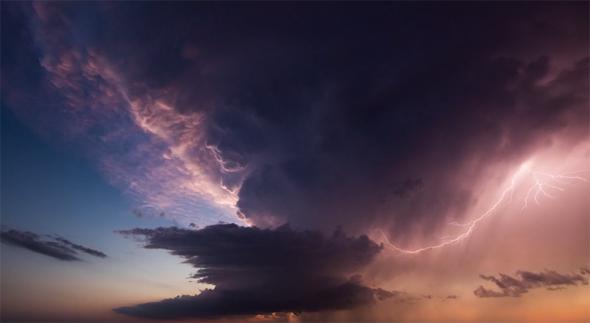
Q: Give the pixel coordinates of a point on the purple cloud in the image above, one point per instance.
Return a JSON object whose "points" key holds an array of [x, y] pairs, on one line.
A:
{"points": [[510, 286]]}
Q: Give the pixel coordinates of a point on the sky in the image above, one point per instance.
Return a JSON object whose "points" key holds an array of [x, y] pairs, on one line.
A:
{"points": [[384, 161]]}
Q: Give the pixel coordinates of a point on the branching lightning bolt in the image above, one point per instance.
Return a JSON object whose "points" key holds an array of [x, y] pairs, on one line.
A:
{"points": [[544, 185]]}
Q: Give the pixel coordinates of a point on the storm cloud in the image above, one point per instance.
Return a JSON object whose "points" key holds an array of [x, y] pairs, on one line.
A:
{"points": [[510, 286], [261, 271], [395, 117], [54, 247], [360, 117]]}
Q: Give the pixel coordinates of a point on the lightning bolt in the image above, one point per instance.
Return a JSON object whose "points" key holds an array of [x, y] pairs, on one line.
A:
{"points": [[544, 185]]}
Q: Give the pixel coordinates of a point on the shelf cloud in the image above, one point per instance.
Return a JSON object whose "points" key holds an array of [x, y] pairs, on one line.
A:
{"points": [[261, 271]]}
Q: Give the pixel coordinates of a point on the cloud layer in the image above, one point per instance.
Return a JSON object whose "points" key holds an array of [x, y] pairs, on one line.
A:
{"points": [[258, 271], [525, 280], [54, 247]]}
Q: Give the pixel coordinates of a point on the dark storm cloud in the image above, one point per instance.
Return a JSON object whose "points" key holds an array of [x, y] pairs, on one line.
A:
{"points": [[383, 115], [345, 169], [258, 271], [344, 147], [320, 115], [338, 121], [58, 248], [510, 286], [408, 187]]}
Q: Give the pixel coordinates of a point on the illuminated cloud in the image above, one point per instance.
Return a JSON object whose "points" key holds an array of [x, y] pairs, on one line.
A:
{"points": [[537, 185], [525, 280], [160, 156]]}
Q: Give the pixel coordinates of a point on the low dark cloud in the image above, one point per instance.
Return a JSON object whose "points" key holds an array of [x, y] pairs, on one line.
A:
{"points": [[55, 247], [260, 271], [78, 247], [510, 286]]}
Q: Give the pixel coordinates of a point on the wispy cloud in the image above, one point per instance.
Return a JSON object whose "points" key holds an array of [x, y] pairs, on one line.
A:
{"points": [[144, 145], [78, 247], [510, 286], [54, 247]]}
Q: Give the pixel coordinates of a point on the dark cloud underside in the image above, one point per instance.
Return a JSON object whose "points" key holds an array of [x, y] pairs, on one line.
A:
{"points": [[510, 286], [258, 271]]}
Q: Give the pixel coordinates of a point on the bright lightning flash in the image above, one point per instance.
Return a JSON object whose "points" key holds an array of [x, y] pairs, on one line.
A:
{"points": [[543, 185]]}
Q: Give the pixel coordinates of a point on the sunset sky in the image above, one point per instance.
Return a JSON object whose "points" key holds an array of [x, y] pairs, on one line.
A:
{"points": [[380, 161]]}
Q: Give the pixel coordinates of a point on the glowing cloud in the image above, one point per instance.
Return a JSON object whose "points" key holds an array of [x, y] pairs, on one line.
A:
{"points": [[543, 184], [158, 155]]}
